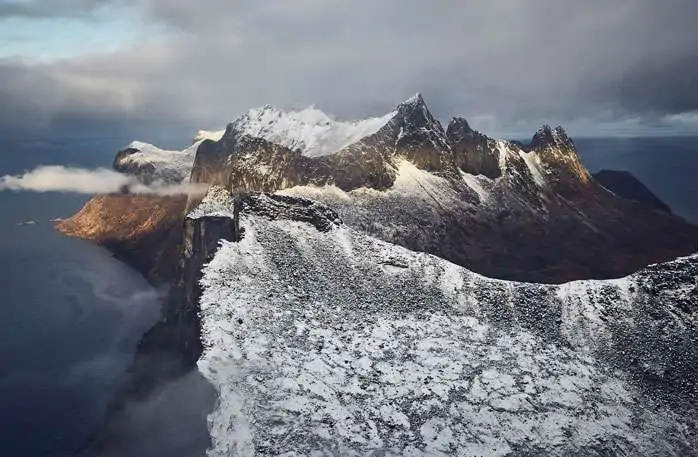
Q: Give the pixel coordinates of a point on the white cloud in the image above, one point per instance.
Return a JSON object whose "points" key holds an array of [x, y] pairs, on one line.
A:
{"points": [[56, 178]]}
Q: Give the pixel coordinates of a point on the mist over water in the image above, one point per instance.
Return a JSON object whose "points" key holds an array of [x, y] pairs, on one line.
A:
{"points": [[72, 315]]}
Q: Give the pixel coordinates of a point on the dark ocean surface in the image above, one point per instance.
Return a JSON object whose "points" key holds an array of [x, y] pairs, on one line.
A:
{"points": [[668, 166], [71, 315]]}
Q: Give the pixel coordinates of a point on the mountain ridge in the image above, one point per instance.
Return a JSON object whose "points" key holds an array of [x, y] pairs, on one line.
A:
{"points": [[420, 357], [504, 209]]}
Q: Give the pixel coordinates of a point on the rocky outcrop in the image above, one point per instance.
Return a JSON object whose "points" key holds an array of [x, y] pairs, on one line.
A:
{"points": [[625, 185], [474, 152], [142, 230], [559, 155]]}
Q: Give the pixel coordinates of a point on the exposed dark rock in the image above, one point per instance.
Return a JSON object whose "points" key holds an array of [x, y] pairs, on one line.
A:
{"points": [[145, 172], [292, 208], [420, 138], [548, 138], [245, 164], [474, 152], [625, 185]]}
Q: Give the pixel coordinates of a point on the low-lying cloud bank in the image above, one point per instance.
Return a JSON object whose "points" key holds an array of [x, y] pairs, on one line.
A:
{"points": [[57, 178]]}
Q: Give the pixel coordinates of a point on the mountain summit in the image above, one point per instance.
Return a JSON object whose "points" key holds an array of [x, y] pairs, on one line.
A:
{"points": [[504, 209]]}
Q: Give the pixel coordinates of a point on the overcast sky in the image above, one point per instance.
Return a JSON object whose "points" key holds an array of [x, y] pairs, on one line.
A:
{"points": [[598, 67]]}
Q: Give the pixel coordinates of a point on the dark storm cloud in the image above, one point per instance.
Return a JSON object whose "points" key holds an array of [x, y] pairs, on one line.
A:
{"points": [[507, 65]]}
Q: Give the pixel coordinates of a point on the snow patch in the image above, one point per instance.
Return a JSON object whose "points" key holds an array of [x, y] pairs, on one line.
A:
{"points": [[170, 165], [410, 181], [310, 130], [534, 166], [475, 183], [217, 202], [503, 151]]}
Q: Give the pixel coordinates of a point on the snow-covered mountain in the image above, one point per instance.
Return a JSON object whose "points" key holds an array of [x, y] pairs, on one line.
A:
{"points": [[528, 212], [504, 209], [310, 131], [149, 163], [324, 341]]}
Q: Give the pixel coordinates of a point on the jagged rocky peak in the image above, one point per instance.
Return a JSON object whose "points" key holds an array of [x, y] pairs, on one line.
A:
{"points": [[474, 152], [458, 127], [557, 151], [420, 138], [415, 114], [267, 149], [548, 138]]}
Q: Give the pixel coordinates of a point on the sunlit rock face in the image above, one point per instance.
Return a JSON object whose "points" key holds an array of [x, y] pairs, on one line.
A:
{"points": [[142, 230], [324, 341]]}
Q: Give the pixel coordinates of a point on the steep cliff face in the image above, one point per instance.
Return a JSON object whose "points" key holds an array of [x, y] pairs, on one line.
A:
{"points": [[142, 230], [474, 152], [273, 288], [138, 421]]}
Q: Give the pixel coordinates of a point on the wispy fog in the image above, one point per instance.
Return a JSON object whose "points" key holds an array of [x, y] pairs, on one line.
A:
{"points": [[57, 178]]}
